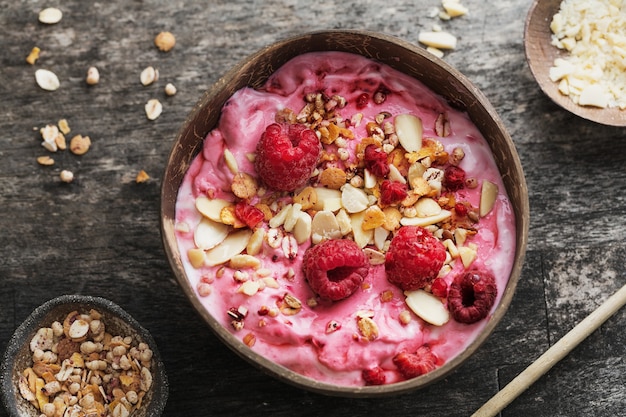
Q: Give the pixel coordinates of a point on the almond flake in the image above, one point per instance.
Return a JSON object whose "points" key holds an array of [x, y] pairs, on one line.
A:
{"points": [[47, 80], [50, 15]]}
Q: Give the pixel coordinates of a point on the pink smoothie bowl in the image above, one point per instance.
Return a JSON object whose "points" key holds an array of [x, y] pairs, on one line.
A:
{"points": [[402, 56]]}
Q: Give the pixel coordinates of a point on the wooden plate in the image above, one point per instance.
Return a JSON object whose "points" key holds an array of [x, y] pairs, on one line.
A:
{"points": [[540, 55]]}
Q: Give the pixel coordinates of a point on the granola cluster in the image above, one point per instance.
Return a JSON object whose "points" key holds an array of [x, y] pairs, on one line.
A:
{"points": [[80, 369]]}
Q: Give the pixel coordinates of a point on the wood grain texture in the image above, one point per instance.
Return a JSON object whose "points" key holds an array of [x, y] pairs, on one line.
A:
{"points": [[100, 234]]}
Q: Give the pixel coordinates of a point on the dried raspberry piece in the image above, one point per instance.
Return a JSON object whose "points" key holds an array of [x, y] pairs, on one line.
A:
{"points": [[248, 214], [375, 160], [415, 364], [454, 178], [414, 258], [286, 155], [461, 209], [439, 288], [362, 100], [471, 296], [335, 268], [374, 376], [392, 192]]}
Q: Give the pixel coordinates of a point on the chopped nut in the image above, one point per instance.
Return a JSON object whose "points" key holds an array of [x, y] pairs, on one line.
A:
{"points": [[333, 178], [47, 80], [45, 160], [170, 89], [142, 176], [66, 176], [368, 328], [165, 41], [153, 109], [149, 75], [64, 126], [33, 56], [93, 76], [79, 144]]}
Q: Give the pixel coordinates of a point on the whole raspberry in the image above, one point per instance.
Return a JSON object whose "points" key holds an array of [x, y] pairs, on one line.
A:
{"points": [[248, 214], [374, 376], [411, 365], [392, 192], [286, 155], [471, 296], [335, 268], [454, 178], [414, 258], [375, 160]]}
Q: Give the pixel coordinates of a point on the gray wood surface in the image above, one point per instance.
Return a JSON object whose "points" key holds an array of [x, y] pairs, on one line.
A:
{"points": [[100, 234]]}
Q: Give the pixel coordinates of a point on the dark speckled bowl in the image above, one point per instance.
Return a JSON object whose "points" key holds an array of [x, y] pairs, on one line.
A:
{"points": [[118, 322]]}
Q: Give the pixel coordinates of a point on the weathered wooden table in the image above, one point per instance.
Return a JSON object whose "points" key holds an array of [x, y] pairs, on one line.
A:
{"points": [[99, 235]]}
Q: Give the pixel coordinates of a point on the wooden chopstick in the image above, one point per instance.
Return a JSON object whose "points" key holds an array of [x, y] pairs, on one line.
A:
{"points": [[557, 352]]}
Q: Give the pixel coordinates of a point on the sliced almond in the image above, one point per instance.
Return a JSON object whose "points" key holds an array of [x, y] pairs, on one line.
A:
{"points": [[375, 257], [233, 245], [327, 199], [426, 207], [256, 241], [439, 40], [292, 217], [78, 329], [47, 80], [488, 196], [427, 306], [50, 15], [409, 130], [361, 237], [211, 208], [280, 217], [426, 221], [380, 237], [468, 255], [230, 161], [196, 257], [324, 225], [353, 199], [302, 228], [344, 222], [209, 234]]}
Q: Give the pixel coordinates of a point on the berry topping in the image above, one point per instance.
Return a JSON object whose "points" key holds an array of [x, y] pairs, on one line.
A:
{"points": [[375, 160], [335, 268], [414, 258], [286, 155], [454, 178], [461, 209], [392, 192], [362, 100], [439, 288], [415, 364], [374, 376], [248, 214], [471, 296]]}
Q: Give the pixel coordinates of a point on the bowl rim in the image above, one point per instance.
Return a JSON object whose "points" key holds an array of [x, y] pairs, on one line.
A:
{"points": [[515, 181], [34, 321]]}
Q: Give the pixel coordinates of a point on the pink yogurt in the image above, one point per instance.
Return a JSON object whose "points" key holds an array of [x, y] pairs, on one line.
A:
{"points": [[300, 342]]}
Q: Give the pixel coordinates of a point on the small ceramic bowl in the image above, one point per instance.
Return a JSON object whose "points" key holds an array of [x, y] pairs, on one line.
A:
{"points": [[18, 355], [403, 56]]}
